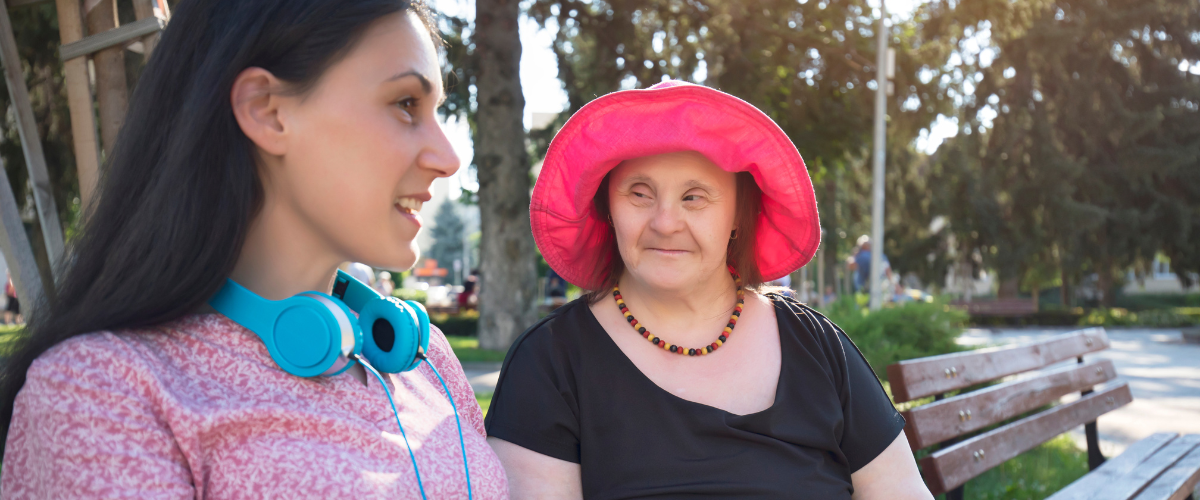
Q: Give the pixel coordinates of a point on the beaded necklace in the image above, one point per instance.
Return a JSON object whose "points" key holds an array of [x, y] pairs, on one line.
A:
{"points": [[737, 312]]}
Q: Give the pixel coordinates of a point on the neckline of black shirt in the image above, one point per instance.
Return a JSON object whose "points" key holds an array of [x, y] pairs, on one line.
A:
{"points": [[628, 364]]}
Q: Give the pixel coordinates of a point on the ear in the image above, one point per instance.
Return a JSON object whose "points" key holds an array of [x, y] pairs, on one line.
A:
{"points": [[256, 100]]}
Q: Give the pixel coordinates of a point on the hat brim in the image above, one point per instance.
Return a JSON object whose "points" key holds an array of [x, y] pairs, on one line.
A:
{"points": [[630, 124]]}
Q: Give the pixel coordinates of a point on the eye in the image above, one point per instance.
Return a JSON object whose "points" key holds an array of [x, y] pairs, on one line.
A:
{"points": [[408, 103], [691, 197]]}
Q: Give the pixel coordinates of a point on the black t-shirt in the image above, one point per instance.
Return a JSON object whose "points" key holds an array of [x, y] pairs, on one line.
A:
{"points": [[567, 391]]}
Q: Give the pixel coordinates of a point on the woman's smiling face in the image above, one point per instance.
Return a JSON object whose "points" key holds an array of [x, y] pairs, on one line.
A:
{"points": [[673, 214], [365, 145]]}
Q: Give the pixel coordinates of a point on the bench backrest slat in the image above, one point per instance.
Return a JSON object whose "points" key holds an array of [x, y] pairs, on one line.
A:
{"points": [[999, 307], [923, 377], [936, 422], [948, 468], [1087, 486], [1141, 476], [1177, 482]]}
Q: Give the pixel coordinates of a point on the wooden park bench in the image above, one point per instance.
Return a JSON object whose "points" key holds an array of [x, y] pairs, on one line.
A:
{"points": [[969, 442], [1003, 308]]}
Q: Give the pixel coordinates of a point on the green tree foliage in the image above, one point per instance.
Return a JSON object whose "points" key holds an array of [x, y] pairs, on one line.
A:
{"points": [[1090, 162], [809, 65]]}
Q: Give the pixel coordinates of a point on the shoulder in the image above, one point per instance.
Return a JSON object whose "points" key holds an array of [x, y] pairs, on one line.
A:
{"points": [[555, 333], [550, 348], [813, 330], [105, 352], [138, 360], [805, 317]]}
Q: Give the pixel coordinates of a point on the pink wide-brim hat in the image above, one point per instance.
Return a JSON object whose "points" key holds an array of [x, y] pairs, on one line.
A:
{"points": [[669, 117]]}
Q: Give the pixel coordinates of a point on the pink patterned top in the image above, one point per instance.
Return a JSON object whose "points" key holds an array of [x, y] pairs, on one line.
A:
{"points": [[197, 409]]}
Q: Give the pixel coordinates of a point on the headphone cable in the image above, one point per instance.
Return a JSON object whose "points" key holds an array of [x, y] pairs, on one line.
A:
{"points": [[461, 443], [411, 456]]}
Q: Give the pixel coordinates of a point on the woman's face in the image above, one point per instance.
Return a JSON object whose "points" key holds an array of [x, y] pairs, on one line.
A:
{"points": [[673, 214], [364, 146]]}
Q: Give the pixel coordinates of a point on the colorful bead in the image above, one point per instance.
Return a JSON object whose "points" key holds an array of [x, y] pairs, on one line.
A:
{"points": [[683, 351]]}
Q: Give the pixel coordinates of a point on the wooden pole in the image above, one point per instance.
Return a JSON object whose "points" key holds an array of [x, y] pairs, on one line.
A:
{"points": [[31, 144], [18, 254], [111, 87], [79, 99], [150, 8]]}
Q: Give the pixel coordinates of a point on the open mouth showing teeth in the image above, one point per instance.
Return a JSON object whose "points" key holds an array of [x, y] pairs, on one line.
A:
{"points": [[409, 205]]}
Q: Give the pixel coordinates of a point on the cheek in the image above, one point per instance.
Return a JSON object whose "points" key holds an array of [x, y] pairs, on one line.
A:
{"points": [[352, 155], [711, 228], [628, 225]]}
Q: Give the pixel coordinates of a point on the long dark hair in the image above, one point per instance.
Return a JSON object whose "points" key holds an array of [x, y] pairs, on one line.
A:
{"points": [[181, 185]]}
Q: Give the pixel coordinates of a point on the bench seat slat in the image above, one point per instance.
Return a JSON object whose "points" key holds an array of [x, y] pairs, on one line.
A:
{"points": [[1177, 482], [1112, 470], [1146, 472], [953, 466], [923, 377], [936, 422]]}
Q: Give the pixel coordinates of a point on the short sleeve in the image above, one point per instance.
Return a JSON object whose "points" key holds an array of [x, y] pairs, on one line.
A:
{"points": [[85, 426], [871, 421], [534, 405]]}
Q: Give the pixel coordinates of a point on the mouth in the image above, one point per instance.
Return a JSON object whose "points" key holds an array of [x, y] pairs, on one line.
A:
{"points": [[667, 251], [408, 205]]}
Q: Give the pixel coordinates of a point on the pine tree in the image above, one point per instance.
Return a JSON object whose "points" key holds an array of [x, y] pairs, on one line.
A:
{"points": [[447, 234]]}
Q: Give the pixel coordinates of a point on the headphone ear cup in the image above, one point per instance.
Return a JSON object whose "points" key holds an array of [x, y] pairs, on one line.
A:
{"points": [[390, 334]]}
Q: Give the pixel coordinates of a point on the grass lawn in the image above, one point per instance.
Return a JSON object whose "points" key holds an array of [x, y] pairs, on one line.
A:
{"points": [[468, 351], [485, 400], [8, 333]]}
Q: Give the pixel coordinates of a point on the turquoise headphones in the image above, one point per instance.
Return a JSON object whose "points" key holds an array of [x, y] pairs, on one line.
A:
{"points": [[314, 333]]}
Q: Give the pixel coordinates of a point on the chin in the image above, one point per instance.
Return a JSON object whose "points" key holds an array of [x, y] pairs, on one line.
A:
{"points": [[403, 259], [669, 279]]}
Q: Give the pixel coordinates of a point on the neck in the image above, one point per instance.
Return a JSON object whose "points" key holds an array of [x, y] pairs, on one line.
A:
{"points": [[282, 258], [690, 316]]}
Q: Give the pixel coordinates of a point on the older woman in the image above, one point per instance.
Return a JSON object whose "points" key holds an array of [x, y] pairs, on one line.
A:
{"points": [[678, 376]]}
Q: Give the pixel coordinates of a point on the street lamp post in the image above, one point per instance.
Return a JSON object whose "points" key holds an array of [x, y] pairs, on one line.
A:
{"points": [[881, 80]]}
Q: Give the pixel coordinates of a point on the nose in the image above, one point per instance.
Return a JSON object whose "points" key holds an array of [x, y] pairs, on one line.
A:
{"points": [[667, 219], [438, 154]]}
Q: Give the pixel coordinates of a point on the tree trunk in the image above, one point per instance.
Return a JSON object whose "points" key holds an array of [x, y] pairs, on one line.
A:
{"points": [[1105, 283], [831, 239], [508, 288], [112, 91], [1064, 292]]}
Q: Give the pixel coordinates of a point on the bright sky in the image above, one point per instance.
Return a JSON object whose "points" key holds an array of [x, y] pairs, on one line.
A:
{"points": [[544, 93]]}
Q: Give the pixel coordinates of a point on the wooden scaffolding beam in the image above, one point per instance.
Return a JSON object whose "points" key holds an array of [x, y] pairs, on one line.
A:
{"points": [[31, 144], [18, 254], [79, 101]]}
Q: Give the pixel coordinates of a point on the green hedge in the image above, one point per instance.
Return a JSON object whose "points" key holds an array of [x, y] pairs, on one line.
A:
{"points": [[465, 324], [899, 332], [1157, 318], [413, 295]]}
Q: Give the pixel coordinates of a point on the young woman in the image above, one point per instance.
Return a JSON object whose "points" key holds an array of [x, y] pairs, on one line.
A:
{"points": [[267, 142], [677, 377]]}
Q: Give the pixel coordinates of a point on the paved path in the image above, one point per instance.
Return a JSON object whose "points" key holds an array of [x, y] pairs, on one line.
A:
{"points": [[1163, 375], [483, 376]]}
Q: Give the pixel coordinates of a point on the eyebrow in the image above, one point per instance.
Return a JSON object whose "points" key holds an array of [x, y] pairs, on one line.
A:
{"points": [[642, 178], [425, 84]]}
